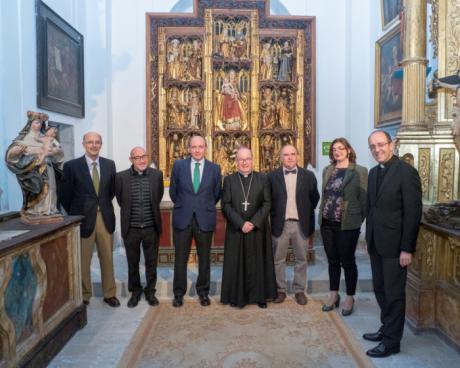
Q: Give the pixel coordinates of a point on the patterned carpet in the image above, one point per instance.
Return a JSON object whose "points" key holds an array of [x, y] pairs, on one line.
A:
{"points": [[284, 335]]}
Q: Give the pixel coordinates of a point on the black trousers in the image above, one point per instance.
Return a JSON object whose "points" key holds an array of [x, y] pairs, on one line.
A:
{"points": [[389, 281], [340, 246], [148, 237], [182, 240]]}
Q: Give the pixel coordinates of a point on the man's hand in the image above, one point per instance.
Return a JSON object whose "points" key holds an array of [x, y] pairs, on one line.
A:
{"points": [[247, 227], [405, 259]]}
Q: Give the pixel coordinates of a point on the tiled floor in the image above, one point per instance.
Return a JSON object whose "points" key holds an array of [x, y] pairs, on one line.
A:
{"points": [[102, 342]]}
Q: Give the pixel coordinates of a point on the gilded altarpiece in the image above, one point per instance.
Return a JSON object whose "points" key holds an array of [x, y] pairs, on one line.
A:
{"points": [[235, 75]]}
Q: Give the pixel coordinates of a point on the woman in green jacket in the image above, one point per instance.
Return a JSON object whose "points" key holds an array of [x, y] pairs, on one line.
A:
{"points": [[342, 211]]}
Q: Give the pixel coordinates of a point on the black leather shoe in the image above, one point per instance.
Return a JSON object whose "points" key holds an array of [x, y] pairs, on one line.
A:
{"points": [[113, 302], [204, 300], [374, 336], [381, 351], [134, 300], [347, 312], [86, 302], [178, 301], [152, 299], [262, 305]]}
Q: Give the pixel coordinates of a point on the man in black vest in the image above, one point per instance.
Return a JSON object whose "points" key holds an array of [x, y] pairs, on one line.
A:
{"points": [[139, 190], [393, 219]]}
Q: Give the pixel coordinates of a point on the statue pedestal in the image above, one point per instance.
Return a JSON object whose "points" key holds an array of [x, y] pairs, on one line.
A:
{"points": [[40, 290]]}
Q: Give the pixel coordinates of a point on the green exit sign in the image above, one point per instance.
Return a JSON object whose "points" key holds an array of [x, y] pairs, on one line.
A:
{"points": [[325, 150]]}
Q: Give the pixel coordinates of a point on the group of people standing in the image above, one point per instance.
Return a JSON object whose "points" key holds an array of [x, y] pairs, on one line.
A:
{"points": [[264, 213]]}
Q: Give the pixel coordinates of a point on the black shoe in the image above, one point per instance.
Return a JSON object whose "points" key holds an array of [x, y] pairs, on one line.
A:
{"points": [[204, 300], [113, 302], [374, 336], [178, 301], [328, 308], [134, 300], [381, 351], [151, 299], [347, 312], [262, 305], [86, 302]]}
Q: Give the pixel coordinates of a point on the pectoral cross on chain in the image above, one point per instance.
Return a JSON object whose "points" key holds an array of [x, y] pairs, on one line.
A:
{"points": [[245, 204]]}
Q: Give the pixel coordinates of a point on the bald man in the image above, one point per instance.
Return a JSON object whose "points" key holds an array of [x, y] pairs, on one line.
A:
{"points": [[88, 190], [139, 190]]}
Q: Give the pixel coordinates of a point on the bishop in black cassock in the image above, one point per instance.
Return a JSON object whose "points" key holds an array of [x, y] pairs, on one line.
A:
{"points": [[248, 271]]}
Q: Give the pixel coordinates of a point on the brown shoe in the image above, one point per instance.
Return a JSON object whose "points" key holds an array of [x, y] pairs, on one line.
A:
{"points": [[300, 298], [280, 298]]}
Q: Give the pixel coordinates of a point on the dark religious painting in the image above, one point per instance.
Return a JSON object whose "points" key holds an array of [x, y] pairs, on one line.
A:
{"points": [[235, 74], [60, 76], [390, 12], [388, 78]]}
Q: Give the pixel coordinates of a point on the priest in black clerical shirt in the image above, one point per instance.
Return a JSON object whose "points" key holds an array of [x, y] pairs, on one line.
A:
{"points": [[248, 272]]}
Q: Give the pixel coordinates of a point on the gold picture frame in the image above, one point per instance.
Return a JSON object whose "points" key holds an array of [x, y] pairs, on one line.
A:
{"points": [[388, 79], [390, 10]]}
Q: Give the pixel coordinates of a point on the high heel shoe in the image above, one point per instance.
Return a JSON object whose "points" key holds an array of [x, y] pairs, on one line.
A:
{"points": [[347, 312], [328, 308]]}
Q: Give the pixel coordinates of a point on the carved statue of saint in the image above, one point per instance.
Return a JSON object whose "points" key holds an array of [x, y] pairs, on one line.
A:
{"points": [[268, 157], [177, 150], [268, 109], [266, 67], [452, 83], [285, 63], [194, 111], [239, 44], [193, 66], [175, 111], [283, 110], [231, 112], [175, 66], [36, 157], [224, 42]]}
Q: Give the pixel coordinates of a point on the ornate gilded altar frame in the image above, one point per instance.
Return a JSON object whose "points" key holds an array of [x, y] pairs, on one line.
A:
{"points": [[200, 25]]}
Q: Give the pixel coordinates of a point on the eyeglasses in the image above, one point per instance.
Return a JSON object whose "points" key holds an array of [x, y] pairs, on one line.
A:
{"points": [[138, 158], [373, 147], [242, 160]]}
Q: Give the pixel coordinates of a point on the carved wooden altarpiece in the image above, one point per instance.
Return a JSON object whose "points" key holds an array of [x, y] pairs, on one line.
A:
{"points": [[234, 74]]}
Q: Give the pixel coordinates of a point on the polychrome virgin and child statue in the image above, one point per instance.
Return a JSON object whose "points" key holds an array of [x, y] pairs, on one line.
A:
{"points": [[35, 156]]}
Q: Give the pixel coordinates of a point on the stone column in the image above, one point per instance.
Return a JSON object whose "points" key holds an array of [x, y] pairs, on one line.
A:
{"points": [[414, 65]]}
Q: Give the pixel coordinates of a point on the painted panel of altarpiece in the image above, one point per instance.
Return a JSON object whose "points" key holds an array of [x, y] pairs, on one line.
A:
{"points": [[237, 76]]}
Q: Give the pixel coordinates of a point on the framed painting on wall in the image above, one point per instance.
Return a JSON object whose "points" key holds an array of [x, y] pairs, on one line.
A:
{"points": [[388, 78], [60, 64], [390, 12]]}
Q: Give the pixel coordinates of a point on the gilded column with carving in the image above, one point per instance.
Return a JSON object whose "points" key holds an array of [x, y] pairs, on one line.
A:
{"points": [[414, 65]]}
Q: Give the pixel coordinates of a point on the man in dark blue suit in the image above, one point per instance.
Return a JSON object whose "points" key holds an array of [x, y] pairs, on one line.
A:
{"points": [[195, 189], [88, 190]]}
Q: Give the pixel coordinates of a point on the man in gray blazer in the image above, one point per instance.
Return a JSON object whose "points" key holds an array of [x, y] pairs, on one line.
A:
{"points": [[139, 190]]}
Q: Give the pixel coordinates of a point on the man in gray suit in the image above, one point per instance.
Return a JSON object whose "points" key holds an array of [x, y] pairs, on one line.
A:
{"points": [[139, 190]]}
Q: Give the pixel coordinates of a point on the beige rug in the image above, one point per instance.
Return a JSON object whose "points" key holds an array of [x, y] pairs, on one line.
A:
{"points": [[284, 335]]}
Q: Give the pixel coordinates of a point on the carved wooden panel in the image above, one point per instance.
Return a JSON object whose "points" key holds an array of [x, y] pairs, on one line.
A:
{"points": [[235, 75], [424, 160], [446, 174]]}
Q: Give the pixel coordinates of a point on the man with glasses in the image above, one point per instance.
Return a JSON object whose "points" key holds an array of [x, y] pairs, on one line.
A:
{"points": [[88, 190], [393, 219], [139, 190], [195, 189]]}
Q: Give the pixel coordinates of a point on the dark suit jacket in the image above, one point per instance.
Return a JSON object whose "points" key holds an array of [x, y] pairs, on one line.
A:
{"points": [[123, 194], [78, 196], [395, 211], [307, 197], [187, 202]]}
